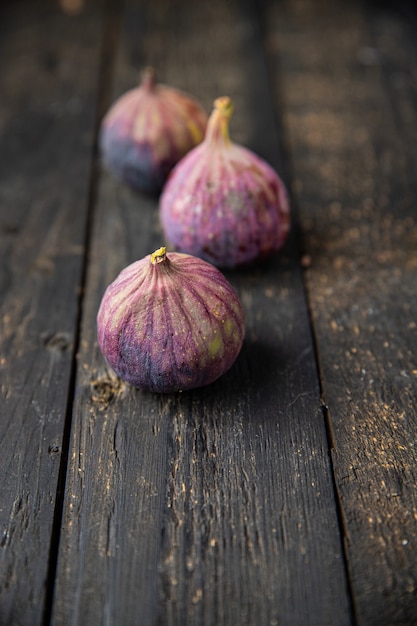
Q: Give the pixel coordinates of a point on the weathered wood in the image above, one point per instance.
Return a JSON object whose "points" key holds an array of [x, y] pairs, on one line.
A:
{"points": [[214, 506], [48, 70], [350, 93]]}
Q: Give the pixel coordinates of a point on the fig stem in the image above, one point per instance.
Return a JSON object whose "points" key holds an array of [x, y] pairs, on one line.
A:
{"points": [[218, 124], [148, 78], [159, 255]]}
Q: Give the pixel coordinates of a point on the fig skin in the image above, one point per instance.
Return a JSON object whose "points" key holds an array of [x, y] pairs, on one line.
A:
{"points": [[170, 323], [224, 203], [148, 130]]}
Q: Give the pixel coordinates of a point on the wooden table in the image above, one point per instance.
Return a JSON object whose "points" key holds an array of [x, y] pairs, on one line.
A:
{"points": [[284, 494]]}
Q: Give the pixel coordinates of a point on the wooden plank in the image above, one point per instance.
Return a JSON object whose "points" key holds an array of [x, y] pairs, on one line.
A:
{"points": [[49, 61], [214, 506], [349, 84]]}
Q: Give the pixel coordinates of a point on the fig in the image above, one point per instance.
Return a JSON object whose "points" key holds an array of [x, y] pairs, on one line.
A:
{"points": [[222, 202], [148, 130], [170, 322]]}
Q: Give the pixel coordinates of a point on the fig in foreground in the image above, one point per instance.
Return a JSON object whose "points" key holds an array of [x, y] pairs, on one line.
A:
{"points": [[170, 322]]}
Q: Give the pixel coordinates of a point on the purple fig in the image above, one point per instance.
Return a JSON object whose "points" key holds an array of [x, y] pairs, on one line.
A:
{"points": [[170, 323], [222, 202], [148, 130]]}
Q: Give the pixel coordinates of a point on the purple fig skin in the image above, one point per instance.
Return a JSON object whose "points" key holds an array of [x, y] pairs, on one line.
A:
{"points": [[222, 202], [170, 323], [148, 130], [133, 162]]}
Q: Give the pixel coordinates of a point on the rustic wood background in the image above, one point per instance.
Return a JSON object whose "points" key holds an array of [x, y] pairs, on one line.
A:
{"points": [[285, 493]]}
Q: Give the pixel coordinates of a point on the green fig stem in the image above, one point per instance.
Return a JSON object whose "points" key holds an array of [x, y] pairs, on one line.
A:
{"points": [[159, 256], [218, 124]]}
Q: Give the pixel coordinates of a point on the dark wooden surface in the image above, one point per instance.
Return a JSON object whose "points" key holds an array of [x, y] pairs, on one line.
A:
{"points": [[284, 493]]}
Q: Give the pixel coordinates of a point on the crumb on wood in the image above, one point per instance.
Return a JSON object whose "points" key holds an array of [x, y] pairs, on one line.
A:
{"points": [[305, 261], [104, 389]]}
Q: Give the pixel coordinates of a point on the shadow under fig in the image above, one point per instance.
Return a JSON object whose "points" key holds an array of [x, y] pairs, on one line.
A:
{"points": [[256, 372]]}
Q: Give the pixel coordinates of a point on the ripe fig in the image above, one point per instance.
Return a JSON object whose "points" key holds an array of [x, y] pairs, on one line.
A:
{"points": [[148, 130], [222, 202], [170, 322]]}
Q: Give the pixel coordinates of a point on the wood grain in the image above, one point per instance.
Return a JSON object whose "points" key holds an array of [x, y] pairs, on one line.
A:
{"points": [[349, 94], [214, 506], [49, 63]]}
